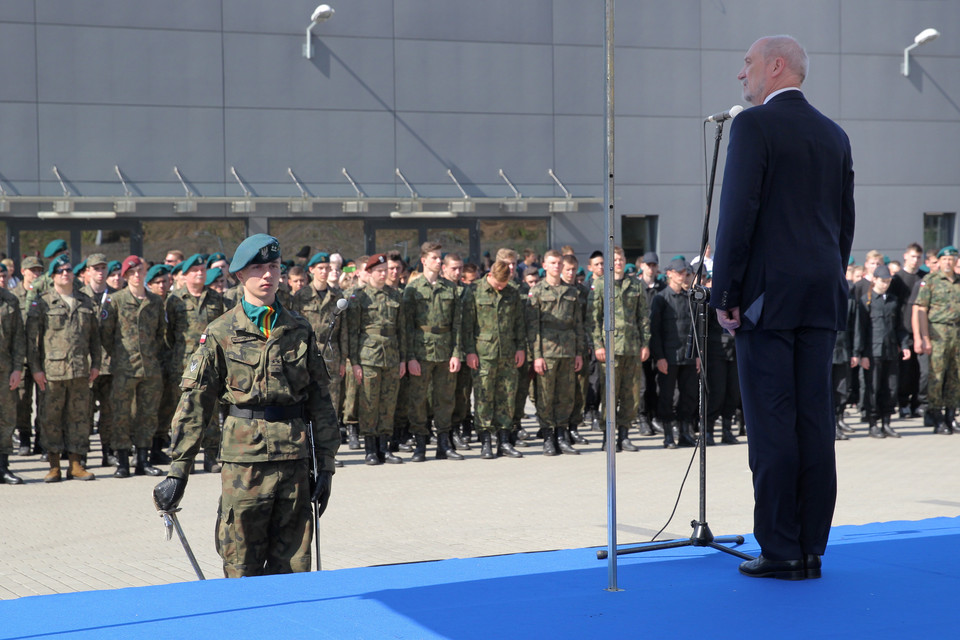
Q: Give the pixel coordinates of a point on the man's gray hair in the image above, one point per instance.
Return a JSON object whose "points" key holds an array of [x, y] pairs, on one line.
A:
{"points": [[790, 50]]}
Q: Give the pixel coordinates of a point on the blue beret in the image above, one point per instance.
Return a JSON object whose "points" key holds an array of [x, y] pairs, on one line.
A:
{"points": [[257, 249], [54, 247], [61, 260], [113, 265], [192, 261], [80, 267], [948, 250], [319, 258], [212, 275], [157, 270], [214, 257]]}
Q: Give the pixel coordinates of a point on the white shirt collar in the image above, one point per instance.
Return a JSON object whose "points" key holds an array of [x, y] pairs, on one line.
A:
{"points": [[778, 92]]}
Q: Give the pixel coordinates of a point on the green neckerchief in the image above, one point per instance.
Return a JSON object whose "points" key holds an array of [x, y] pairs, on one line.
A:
{"points": [[257, 314]]}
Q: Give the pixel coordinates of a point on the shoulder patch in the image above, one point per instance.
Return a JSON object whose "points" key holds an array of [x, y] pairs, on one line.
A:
{"points": [[103, 313], [203, 338]]}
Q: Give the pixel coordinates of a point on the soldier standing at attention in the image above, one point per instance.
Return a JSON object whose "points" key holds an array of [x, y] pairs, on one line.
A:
{"points": [[63, 347], [189, 310], [556, 341], [12, 357], [494, 352], [262, 361], [568, 273], [462, 418], [433, 313], [133, 330], [378, 358], [31, 269], [936, 331], [159, 282], [98, 291], [631, 337]]}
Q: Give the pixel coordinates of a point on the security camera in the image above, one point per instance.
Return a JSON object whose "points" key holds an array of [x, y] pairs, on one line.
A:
{"points": [[322, 13]]}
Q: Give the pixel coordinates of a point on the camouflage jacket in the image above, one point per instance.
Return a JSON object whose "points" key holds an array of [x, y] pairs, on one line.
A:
{"points": [[319, 310], [941, 298], [133, 332], [631, 329], [187, 317], [232, 297], [235, 364], [63, 343], [376, 327], [13, 345], [433, 314], [99, 299], [554, 321], [24, 296], [498, 321]]}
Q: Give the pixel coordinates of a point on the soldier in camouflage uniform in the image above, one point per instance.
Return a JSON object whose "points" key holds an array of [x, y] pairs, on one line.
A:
{"points": [[568, 273], [462, 417], [262, 361], [159, 282], [133, 331], [32, 269], [377, 353], [63, 348], [494, 341], [12, 356], [555, 341], [350, 394], [936, 331], [630, 339], [189, 310], [432, 311], [99, 292]]}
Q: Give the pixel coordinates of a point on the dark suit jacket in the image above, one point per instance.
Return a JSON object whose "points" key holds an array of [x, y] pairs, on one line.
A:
{"points": [[786, 218]]}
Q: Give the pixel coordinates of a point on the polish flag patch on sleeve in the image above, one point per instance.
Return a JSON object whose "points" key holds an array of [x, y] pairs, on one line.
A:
{"points": [[203, 338]]}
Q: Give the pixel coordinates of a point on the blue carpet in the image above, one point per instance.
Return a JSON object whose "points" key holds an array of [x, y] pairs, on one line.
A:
{"points": [[885, 580]]}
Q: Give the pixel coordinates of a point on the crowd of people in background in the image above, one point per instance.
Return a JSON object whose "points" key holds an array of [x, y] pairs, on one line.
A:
{"points": [[444, 352]]}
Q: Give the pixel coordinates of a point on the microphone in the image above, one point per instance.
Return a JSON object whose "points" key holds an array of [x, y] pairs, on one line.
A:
{"points": [[730, 114], [341, 305]]}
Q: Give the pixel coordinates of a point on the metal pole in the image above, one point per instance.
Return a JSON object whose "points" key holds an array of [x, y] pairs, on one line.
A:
{"points": [[610, 400]]}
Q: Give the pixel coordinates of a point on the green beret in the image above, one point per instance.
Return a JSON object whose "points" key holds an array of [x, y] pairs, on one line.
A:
{"points": [[113, 265], [257, 249], [629, 268], [177, 268], [157, 270], [192, 261], [61, 260], [319, 258], [55, 246], [3, 268], [948, 250], [80, 267], [214, 257], [851, 261], [213, 275]]}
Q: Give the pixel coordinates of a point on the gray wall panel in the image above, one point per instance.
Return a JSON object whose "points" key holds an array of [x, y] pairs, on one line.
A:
{"points": [[885, 94], [168, 14], [641, 86], [316, 145], [17, 11], [917, 154], [489, 21], [129, 66], [578, 80], [736, 24], [578, 159], [659, 151], [680, 211], [578, 22], [18, 133], [474, 77], [18, 73], [886, 27], [264, 70], [674, 24], [85, 142], [364, 18]]}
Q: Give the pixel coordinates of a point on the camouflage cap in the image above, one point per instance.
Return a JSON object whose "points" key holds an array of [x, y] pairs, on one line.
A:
{"points": [[96, 258], [259, 248], [31, 262]]}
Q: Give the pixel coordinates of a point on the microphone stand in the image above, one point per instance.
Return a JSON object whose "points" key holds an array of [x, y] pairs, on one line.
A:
{"points": [[698, 297]]}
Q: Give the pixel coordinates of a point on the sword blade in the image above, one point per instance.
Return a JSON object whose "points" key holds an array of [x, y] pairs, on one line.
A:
{"points": [[186, 545]]}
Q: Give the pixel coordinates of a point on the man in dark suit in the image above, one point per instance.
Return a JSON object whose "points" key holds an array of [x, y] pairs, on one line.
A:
{"points": [[783, 241]]}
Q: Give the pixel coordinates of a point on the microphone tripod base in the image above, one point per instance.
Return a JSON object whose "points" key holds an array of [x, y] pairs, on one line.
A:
{"points": [[701, 537]]}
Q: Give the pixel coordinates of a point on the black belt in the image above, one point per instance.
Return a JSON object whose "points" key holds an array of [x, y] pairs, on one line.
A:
{"points": [[268, 413]]}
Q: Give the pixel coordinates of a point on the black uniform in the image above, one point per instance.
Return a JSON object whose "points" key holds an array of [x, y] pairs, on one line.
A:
{"points": [[880, 337], [670, 328], [908, 391]]}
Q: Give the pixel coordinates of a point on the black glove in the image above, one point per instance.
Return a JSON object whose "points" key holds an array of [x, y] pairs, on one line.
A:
{"points": [[167, 494], [321, 491]]}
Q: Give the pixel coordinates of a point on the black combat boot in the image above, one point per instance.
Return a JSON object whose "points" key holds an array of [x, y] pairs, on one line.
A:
{"points": [[420, 449], [210, 464], [157, 456], [143, 466], [504, 448], [24, 449], [564, 444], [467, 428], [370, 447], [687, 437], [669, 427], [445, 450], [711, 427], [948, 420], [353, 440], [623, 441], [887, 429], [875, 431], [486, 445], [549, 444], [846, 428], [123, 464], [385, 454], [575, 436], [643, 426], [726, 432], [7, 476], [458, 441]]}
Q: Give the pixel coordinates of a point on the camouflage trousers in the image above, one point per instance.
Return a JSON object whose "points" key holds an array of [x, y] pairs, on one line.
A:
{"points": [[135, 407], [8, 414], [556, 391], [333, 369], [943, 381], [377, 400], [66, 416], [169, 399], [461, 407], [524, 383], [351, 391], [433, 390], [495, 392], [581, 380], [265, 521], [625, 371], [401, 414], [100, 401], [27, 393]]}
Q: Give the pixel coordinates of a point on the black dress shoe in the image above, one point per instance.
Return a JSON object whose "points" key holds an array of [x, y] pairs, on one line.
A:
{"points": [[811, 566], [760, 567]]}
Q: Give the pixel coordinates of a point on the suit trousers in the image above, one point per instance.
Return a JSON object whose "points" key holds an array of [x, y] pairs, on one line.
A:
{"points": [[788, 408]]}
